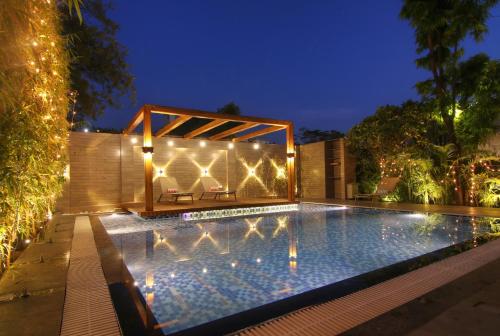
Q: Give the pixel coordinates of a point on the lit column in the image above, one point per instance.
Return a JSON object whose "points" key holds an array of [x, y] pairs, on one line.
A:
{"points": [[290, 162], [148, 160]]}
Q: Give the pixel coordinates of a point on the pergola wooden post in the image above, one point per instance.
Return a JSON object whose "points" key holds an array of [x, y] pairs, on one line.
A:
{"points": [[148, 160], [290, 162], [217, 119]]}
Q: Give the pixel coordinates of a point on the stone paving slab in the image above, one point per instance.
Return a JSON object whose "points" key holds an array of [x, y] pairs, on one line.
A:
{"points": [[39, 313]]}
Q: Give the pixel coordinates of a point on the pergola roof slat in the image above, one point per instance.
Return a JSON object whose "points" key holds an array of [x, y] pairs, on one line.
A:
{"points": [[259, 133], [205, 128], [172, 125], [210, 115], [136, 120], [234, 130]]}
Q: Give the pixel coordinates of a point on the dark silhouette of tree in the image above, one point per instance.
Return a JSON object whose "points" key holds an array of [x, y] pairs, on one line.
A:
{"points": [[308, 136], [441, 27], [99, 72]]}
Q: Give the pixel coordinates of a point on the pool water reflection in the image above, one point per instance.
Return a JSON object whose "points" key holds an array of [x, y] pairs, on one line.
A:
{"points": [[201, 271]]}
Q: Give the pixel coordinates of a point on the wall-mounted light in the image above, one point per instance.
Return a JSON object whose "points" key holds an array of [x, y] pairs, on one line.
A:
{"points": [[256, 146], [170, 143], [203, 143], [252, 172], [258, 260], [204, 270], [86, 130], [133, 140], [204, 171], [230, 145], [160, 172]]}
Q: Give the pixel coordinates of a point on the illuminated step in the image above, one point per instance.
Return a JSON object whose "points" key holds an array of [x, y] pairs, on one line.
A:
{"points": [[223, 213]]}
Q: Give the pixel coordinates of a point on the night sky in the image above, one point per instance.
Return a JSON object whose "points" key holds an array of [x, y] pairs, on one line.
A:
{"points": [[321, 64]]}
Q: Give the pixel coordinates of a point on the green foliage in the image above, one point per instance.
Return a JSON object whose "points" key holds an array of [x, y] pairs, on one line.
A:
{"points": [[99, 71], [490, 192], [33, 125], [480, 102], [441, 28]]}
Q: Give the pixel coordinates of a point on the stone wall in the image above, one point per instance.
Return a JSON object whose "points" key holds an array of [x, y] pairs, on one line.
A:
{"points": [[312, 170], [107, 170]]}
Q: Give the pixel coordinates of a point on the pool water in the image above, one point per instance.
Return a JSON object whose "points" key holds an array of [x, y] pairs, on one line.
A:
{"points": [[195, 272]]}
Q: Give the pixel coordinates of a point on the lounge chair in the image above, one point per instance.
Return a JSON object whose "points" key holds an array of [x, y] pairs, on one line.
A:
{"points": [[170, 187], [385, 187], [212, 187]]}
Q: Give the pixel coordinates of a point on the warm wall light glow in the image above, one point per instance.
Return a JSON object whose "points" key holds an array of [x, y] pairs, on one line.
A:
{"points": [[148, 156], [204, 172], [256, 146], [160, 172], [230, 145], [170, 143], [133, 140], [203, 143]]}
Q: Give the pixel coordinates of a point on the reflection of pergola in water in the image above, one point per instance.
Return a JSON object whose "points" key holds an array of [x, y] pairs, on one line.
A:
{"points": [[240, 125]]}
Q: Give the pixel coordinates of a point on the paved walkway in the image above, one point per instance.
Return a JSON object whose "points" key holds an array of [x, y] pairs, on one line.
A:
{"points": [[40, 272]]}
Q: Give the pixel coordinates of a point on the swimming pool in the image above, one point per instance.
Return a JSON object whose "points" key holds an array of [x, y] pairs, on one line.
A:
{"points": [[197, 271]]}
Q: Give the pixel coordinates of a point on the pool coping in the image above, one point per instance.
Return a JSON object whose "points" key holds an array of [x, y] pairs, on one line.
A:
{"points": [[274, 310]]}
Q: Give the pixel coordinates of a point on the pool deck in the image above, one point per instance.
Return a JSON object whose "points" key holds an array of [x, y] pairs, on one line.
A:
{"points": [[432, 208], [471, 289], [171, 209]]}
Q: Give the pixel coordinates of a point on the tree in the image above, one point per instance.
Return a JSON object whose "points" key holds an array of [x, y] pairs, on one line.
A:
{"points": [[99, 71], [479, 101], [229, 108], [308, 136], [441, 26], [391, 131]]}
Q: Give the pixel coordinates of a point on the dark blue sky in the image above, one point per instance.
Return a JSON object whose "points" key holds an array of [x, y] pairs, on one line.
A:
{"points": [[321, 64]]}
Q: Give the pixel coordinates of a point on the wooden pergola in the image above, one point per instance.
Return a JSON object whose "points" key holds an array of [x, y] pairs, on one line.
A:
{"points": [[183, 115]]}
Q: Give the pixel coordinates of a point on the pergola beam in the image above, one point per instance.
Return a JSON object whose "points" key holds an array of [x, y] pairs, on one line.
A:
{"points": [[234, 130], [210, 115], [259, 133], [136, 120], [205, 128], [172, 125]]}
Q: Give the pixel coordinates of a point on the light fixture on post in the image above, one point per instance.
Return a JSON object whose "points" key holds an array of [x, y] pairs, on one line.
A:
{"points": [[147, 150]]}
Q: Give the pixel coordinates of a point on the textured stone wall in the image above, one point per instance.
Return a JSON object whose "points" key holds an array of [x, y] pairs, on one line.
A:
{"points": [[312, 170], [107, 170]]}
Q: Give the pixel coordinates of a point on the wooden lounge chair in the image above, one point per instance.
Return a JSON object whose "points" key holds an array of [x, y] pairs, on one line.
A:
{"points": [[212, 187], [385, 187], [170, 187]]}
